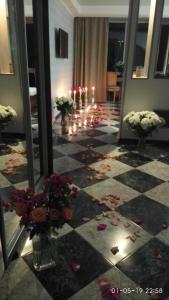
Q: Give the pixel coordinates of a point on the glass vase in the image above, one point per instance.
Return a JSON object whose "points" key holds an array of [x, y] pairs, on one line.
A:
{"points": [[141, 145], [42, 252], [64, 123]]}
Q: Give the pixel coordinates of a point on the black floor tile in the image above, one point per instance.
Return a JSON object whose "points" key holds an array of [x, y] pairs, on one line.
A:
{"points": [[6, 193], [165, 160], [61, 282], [83, 207], [58, 140], [94, 132], [147, 269], [133, 159], [57, 154], [84, 177], [87, 157], [138, 180], [91, 142], [152, 213]]}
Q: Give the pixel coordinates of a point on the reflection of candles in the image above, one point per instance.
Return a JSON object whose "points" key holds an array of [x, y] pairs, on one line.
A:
{"points": [[70, 131], [80, 124], [93, 90], [74, 127]]}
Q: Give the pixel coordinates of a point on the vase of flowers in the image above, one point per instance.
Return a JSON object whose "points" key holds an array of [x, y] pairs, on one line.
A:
{"points": [[142, 124], [7, 113], [42, 214], [65, 106]]}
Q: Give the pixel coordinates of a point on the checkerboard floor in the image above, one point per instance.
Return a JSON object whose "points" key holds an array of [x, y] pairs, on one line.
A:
{"points": [[124, 189]]}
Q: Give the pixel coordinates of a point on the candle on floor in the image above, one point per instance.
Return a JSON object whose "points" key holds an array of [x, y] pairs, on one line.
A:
{"points": [[95, 106], [85, 123], [70, 94], [81, 111], [74, 127], [86, 100], [75, 116], [93, 91], [74, 99], [80, 124], [70, 131], [91, 118], [80, 99]]}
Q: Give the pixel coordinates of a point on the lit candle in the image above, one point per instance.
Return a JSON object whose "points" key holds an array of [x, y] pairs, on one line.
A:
{"points": [[95, 106], [65, 95], [85, 123], [70, 93], [70, 131], [74, 99], [80, 124], [75, 116], [86, 100], [81, 111], [80, 99], [74, 127], [93, 90], [92, 118]]}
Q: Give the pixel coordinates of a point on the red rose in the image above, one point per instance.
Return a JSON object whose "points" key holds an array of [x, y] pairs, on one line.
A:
{"points": [[67, 214], [21, 209], [38, 215]]}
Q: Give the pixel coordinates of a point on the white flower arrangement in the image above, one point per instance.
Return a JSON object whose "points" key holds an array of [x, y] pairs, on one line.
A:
{"points": [[6, 114], [65, 105], [143, 123]]}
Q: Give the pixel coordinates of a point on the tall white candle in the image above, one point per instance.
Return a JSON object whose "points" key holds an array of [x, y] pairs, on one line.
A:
{"points": [[80, 99], [85, 92], [74, 98], [70, 94], [93, 91]]}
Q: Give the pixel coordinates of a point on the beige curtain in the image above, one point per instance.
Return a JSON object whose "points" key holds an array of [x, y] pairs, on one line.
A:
{"points": [[90, 55]]}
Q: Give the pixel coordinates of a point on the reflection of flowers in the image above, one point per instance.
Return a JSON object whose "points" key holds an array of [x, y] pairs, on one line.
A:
{"points": [[48, 209], [65, 105], [143, 123], [6, 114]]}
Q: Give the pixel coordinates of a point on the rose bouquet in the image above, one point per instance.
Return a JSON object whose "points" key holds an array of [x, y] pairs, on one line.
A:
{"points": [[64, 105], [6, 115], [48, 209], [143, 123]]}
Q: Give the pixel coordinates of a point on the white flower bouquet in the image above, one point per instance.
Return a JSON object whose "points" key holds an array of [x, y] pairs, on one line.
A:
{"points": [[64, 105], [6, 115], [143, 123]]}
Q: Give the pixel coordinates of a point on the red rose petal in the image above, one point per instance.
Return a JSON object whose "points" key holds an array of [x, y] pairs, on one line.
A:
{"points": [[101, 227], [113, 293], [75, 267]]}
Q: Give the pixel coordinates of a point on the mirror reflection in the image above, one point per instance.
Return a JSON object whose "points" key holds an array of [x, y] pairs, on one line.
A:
{"points": [[6, 64], [162, 68]]}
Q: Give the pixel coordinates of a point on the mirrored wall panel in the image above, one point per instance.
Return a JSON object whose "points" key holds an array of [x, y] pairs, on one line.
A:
{"points": [[162, 67], [143, 39], [6, 63]]}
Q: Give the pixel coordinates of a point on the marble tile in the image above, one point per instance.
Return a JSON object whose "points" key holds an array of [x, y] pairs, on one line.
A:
{"points": [[138, 180], [84, 177], [109, 129], [70, 148], [83, 207], [110, 150], [116, 167], [111, 186], [160, 193], [152, 213], [4, 181], [61, 282], [93, 132], [24, 286], [117, 279], [21, 185], [87, 157], [58, 140], [157, 169], [91, 143], [108, 138], [148, 270], [57, 154], [163, 236], [113, 236], [134, 159], [20, 174], [155, 151], [65, 164], [76, 138]]}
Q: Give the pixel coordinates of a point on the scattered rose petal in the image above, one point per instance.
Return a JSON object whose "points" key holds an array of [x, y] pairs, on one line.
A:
{"points": [[137, 233], [114, 222], [75, 267], [139, 222], [104, 283], [93, 199], [165, 225], [133, 238], [101, 227], [115, 250], [111, 293], [126, 224]]}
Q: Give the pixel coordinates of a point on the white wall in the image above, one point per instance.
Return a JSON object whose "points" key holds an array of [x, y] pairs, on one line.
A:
{"points": [[61, 69]]}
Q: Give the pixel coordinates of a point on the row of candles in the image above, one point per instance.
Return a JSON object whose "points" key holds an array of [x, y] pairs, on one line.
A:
{"points": [[80, 94]]}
